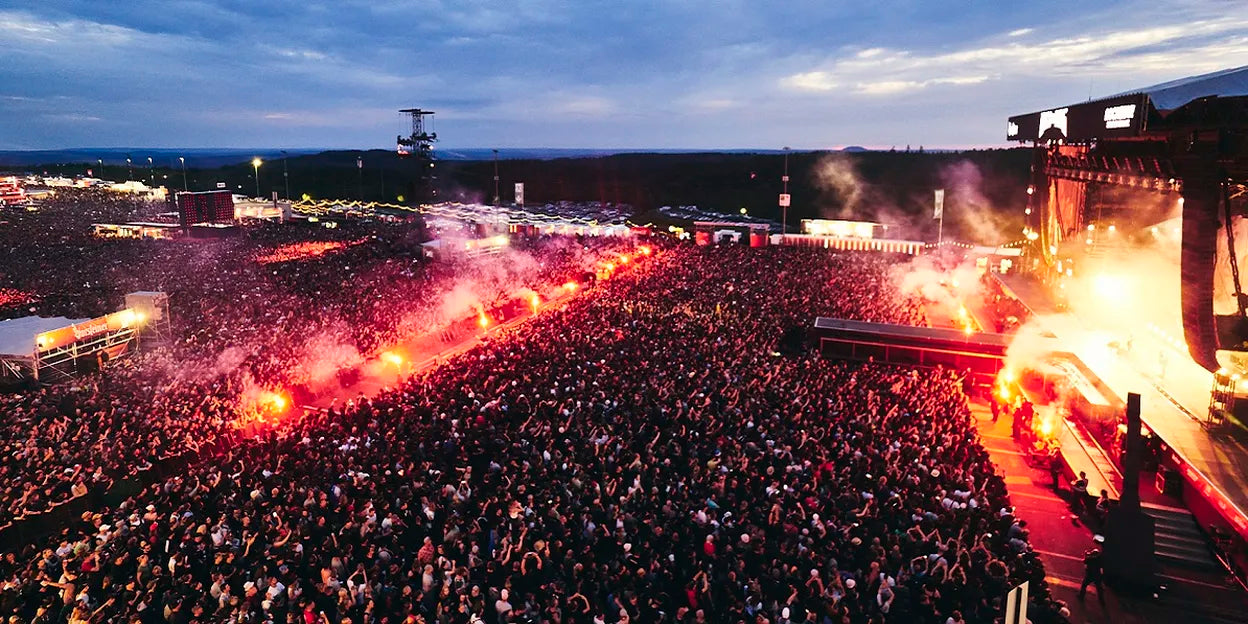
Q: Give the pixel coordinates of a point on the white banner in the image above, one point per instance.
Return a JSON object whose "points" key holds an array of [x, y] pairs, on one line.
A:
{"points": [[519, 193], [785, 200], [939, 212], [1016, 605]]}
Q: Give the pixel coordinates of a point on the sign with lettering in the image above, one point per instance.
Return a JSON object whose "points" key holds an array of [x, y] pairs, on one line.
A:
{"points": [[86, 330]]}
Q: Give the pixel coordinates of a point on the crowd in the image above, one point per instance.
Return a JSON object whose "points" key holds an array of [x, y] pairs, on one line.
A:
{"points": [[248, 315], [639, 454]]}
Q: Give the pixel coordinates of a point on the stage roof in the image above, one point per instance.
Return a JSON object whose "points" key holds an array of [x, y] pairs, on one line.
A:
{"points": [[1128, 114], [17, 336], [909, 332], [1171, 95]]}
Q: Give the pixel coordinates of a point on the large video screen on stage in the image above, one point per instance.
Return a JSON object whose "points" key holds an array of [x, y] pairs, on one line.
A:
{"points": [[1115, 117], [205, 207]]}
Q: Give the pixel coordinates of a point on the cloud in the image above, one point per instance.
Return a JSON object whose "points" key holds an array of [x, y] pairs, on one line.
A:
{"points": [[584, 105], [1199, 45], [72, 117], [24, 29], [590, 73], [811, 81]]}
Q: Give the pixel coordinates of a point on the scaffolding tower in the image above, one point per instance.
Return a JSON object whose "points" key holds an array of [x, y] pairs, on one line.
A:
{"points": [[418, 146]]}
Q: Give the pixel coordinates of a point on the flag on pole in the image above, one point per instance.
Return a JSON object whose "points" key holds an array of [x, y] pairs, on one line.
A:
{"points": [[939, 212]]}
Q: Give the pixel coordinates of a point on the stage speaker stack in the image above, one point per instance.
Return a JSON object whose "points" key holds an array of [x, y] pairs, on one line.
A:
{"points": [[1196, 265]]}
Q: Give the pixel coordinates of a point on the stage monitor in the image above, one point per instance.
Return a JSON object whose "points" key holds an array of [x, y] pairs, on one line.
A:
{"points": [[205, 207]]}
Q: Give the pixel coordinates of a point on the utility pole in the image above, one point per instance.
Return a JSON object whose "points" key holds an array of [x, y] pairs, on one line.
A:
{"points": [[285, 175], [496, 197], [784, 197]]}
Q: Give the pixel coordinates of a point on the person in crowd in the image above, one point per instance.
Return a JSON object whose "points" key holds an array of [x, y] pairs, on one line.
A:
{"points": [[1079, 492], [1092, 573]]}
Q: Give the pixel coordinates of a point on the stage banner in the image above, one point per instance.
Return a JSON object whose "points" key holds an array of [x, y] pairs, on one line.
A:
{"points": [[939, 211], [86, 330], [519, 193]]}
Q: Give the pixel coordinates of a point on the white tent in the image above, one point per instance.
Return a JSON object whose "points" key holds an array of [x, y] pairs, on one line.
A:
{"points": [[17, 336]]}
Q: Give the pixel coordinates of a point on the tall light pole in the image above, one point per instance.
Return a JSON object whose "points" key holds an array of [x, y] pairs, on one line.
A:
{"points": [[151, 172], [784, 205], [184, 185], [129, 169], [359, 167], [285, 175], [101, 163], [255, 164], [496, 197]]}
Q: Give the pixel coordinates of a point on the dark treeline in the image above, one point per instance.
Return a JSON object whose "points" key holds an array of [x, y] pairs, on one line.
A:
{"points": [[986, 189]]}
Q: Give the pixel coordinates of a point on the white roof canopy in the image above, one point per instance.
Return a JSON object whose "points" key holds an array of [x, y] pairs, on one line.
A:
{"points": [[17, 336]]}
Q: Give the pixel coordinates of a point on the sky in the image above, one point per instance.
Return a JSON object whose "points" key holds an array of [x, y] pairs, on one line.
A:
{"points": [[676, 74]]}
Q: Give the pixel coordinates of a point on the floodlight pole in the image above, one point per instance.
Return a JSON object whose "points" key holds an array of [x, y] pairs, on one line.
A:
{"points": [[286, 175], [784, 225], [496, 196]]}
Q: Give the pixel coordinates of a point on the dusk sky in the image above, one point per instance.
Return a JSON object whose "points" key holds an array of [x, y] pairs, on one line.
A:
{"points": [[587, 74]]}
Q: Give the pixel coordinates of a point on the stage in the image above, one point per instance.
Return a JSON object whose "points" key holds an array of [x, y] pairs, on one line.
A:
{"points": [[1174, 393]]}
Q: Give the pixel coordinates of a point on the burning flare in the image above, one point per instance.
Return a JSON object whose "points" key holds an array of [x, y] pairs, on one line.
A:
{"points": [[276, 401]]}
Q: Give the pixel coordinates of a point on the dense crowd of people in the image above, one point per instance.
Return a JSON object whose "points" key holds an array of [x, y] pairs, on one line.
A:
{"points": [[639, 454], [241, 321]]}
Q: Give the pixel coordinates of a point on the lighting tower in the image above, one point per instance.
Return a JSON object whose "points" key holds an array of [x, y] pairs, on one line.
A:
{"points": [[419, 147]]}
